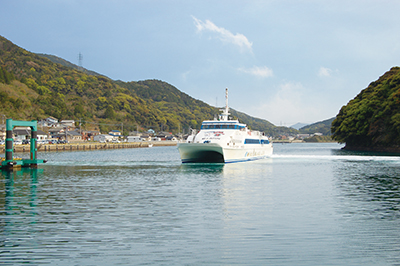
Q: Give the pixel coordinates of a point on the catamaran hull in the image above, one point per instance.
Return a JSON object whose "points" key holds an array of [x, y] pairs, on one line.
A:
{"points": [[214, 153]]}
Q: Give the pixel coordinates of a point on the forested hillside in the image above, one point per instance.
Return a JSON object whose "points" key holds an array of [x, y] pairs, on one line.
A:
{"points": [[58, 60], [323, 127], [371, 121], [32, 86]]}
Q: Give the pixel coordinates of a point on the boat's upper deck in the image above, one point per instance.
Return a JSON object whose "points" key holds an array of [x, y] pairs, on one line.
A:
{"points": [[216, 124]]}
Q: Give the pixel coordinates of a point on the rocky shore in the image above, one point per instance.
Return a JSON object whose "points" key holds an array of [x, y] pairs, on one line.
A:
{"points": [[393, 149]]}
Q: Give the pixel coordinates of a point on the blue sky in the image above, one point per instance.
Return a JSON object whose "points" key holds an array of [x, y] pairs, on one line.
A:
{"points": [[284, 61]]}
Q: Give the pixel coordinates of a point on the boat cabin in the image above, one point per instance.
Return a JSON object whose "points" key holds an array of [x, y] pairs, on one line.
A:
{"points": [[222, 125]]}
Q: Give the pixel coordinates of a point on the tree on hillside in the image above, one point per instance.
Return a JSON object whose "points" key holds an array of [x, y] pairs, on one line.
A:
{"points": [[109, 112]]}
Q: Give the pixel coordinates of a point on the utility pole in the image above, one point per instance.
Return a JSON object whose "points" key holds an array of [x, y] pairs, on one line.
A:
{"points": [[80, 59]]}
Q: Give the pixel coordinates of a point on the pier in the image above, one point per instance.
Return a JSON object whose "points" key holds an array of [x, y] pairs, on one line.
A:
{"points": [[9, 162]]}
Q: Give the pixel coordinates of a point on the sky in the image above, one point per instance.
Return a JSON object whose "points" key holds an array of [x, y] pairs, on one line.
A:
{"points": [[284, 61]]}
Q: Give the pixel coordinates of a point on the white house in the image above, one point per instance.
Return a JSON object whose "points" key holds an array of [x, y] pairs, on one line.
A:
{"points": [[41, 135], [102, 138], [25, 133], [67, 123], [115, 133], [74, 135], [49, 122], [133, 139]]}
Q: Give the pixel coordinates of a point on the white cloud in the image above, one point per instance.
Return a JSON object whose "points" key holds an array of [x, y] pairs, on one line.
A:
{"points": [[324, 72], [224, 34], [263, 72], [288, 106]]}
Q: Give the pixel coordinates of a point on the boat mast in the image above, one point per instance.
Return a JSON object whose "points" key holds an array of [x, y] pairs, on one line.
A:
{"points": [[225, 112]]}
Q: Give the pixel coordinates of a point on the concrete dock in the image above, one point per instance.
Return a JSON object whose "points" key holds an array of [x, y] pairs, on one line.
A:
{"points": [[87, 146]]}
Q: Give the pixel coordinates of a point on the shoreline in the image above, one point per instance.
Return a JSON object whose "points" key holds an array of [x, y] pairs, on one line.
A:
{"points": [[301, 141], [393, 150], [87, 146]]}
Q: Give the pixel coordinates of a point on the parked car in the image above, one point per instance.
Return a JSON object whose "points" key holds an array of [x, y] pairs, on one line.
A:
{"points": [[26, 141], [2, 142], [62, 141], [116, 141], [17, 142]]}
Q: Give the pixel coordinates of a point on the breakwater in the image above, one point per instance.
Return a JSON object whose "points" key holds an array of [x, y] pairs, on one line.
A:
{"points": [[87, 146]]}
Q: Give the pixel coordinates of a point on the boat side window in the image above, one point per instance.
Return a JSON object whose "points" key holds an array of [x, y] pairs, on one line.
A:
{"points": [[206, 126], [226, 126], [251, 141]]}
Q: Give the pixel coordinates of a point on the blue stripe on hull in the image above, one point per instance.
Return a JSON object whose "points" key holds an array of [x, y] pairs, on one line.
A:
{"points": [[247, 159]]}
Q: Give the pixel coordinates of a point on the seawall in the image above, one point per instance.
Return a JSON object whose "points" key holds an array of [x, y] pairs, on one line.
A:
{"points": [[87, 146]]}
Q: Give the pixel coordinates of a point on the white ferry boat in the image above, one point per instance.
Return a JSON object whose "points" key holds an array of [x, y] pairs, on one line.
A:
{"points": [[224, 141]]}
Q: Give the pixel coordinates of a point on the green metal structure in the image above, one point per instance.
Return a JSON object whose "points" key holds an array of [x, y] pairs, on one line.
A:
{"points": [[9, 162]]}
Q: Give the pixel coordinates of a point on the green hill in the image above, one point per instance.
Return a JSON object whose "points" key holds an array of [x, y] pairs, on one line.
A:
{"points": [[323, 127], [371, 121], [59, 60], [35, 86]]}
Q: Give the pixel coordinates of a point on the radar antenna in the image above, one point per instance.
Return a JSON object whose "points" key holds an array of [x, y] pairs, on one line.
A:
{"points": [[225, 112]]}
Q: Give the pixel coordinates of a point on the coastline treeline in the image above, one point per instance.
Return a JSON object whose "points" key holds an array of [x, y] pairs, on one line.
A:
{"points": [[371, 121]]}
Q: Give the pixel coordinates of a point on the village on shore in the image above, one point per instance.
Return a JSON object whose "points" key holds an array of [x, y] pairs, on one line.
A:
{"points": [[53, 131]]}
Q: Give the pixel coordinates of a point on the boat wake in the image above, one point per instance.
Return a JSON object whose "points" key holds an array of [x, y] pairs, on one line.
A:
{"points": [[333, 157]]}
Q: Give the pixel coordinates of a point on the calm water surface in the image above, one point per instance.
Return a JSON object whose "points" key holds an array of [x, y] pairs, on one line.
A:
{"points": [[310, 204]]}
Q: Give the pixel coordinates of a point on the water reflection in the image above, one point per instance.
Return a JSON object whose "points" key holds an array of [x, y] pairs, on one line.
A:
{"points": [[342, 152], [18, 204], [369, 183], [202, 168], [18, 187], [371, 187]]}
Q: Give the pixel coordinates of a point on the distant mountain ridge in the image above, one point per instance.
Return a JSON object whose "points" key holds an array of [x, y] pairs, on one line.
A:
{"points": [[298, 125]]}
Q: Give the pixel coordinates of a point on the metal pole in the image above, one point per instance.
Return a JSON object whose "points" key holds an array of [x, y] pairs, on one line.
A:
{"points": [[9, 140], [33, 144]]}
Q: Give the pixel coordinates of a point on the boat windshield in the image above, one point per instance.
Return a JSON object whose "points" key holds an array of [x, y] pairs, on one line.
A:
{"points": [[221, 126]]}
